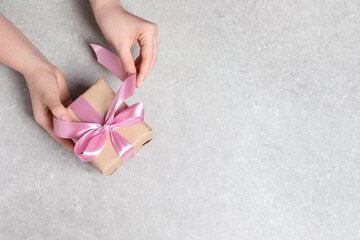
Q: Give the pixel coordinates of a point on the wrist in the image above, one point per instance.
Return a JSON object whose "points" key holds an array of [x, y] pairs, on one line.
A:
{"points": [[36, 64]]}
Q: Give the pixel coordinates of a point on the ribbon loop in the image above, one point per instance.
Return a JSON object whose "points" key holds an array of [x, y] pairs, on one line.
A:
{"points": [[92, 132]]}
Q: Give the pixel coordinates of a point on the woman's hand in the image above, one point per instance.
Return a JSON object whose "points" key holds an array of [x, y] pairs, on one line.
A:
{"points": [[48, 91], [122, 29], [47, 86]]}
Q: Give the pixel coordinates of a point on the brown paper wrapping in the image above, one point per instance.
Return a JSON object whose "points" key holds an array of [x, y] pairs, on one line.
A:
{"points": [[100, 96]]}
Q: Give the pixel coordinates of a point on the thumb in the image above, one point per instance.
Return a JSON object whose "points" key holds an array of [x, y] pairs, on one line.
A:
{"points": [[127, 60], [57, 109]]}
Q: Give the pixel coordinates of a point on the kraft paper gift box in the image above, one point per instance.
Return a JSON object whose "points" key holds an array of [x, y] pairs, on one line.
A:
{"points": [[100, 96]]}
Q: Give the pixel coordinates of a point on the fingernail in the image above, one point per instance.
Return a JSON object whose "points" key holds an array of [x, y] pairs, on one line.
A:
{"points": [[64, 118]]}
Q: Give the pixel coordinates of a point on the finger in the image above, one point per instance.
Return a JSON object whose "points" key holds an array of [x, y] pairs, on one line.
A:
{"points": [[56, 108], [127, 60], [65, 96], [137, 64], [147, 54], [63, 88], [155, 52], [67, 102], [69, 144], [47, 124]]}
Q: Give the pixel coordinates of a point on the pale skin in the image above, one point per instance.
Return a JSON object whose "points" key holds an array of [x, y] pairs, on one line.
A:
{"points": [[47, 86]]}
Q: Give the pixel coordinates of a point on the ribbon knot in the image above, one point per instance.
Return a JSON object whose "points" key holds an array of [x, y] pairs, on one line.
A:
{"points": [[92, 132], [107, 127]]}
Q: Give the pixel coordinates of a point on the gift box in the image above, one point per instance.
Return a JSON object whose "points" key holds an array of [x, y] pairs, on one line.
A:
{"points": [[100, 96], [105, 130]]}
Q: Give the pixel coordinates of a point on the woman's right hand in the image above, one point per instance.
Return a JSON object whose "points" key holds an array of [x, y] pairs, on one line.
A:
{"points": [[49, 96]]}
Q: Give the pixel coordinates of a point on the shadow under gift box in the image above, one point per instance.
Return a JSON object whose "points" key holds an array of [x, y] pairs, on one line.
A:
{"points": [[100, 96]]}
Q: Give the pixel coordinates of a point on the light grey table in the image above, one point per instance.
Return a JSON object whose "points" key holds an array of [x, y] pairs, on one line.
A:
{"points": [[255, 110]]}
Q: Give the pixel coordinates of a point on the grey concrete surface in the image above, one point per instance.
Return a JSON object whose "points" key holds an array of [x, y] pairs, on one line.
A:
{"points": [[255, 110]]}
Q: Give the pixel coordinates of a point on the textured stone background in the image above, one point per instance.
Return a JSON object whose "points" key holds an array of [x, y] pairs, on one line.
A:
{"points": [[255, 110]]}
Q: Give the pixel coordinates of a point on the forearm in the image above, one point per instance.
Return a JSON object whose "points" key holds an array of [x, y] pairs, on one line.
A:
{"points": [[17, 51], [97, 4]]}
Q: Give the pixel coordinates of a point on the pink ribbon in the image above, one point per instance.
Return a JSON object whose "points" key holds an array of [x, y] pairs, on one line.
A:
{"points": [[92, 131]]}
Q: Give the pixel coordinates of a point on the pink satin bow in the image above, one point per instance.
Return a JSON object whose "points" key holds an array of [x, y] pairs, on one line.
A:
{"points": [[93, 130]]}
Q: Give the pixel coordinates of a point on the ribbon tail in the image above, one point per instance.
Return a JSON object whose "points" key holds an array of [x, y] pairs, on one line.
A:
{"points": [[122, 146], [113, 63], [126, 90], [110, 61]]}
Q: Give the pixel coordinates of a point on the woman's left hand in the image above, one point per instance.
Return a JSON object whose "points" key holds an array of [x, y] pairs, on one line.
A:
{"points": [[122, 29]]}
